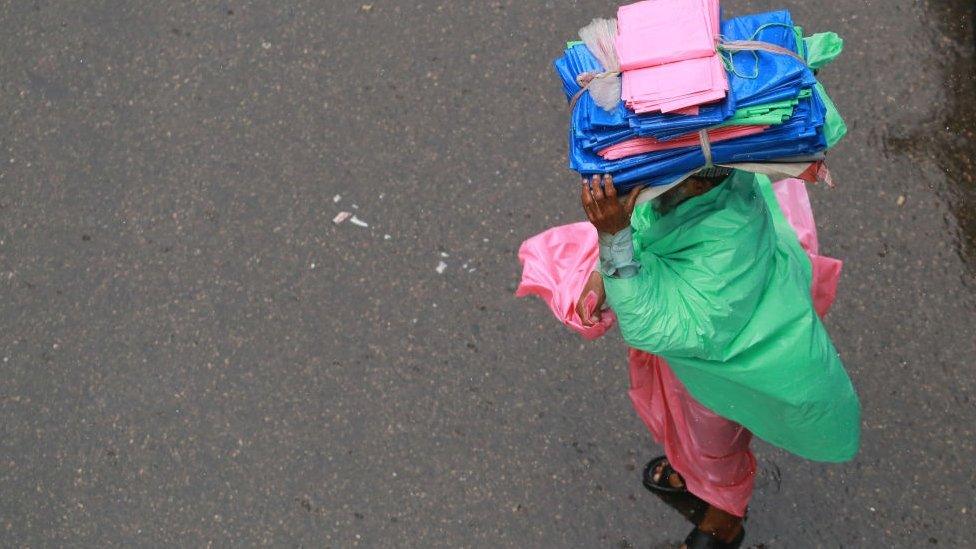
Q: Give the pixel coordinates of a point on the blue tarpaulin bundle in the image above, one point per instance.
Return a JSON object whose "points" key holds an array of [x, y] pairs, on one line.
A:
{"points": [[755, 78]]}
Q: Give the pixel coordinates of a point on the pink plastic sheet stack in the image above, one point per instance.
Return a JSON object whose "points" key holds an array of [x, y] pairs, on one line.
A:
{"points": [[667, 54]]}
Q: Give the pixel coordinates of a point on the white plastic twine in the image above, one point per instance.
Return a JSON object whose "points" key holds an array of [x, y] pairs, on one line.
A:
{"points": [[727, 48], [706, 147], [604, 87]]}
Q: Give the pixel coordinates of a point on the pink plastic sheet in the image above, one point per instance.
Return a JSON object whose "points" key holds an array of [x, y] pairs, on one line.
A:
{"points": [[555, 266], [688, 111], [641, 145], [710, 452], [675, 86]]}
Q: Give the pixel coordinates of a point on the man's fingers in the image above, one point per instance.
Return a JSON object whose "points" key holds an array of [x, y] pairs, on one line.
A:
{"points": [[585, 196], [632, 199], [608, 187], [587, 201], [596, 189], [593, 204], [581, 312]]}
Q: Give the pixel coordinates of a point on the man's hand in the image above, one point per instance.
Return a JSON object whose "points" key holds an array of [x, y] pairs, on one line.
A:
{"points": [[593, 284], [604, 211]]}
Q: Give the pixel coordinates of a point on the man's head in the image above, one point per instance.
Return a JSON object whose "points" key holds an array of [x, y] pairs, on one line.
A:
{"points": [[698, 184]]}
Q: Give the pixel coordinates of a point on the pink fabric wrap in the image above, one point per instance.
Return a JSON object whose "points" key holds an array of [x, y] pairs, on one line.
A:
{"points": [[795, 204], [710, 452]]}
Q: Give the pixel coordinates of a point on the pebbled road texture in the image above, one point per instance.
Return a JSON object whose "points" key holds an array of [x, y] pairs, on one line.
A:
{"points": [[193, 354]]}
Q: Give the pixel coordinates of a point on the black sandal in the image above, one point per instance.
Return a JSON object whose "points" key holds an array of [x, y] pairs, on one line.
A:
{"points": [[663, 484], [700, 540]]}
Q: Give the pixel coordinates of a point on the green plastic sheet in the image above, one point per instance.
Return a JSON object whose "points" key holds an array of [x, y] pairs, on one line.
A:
{"points": [[766, 114], [724, 296], [822, 48]]}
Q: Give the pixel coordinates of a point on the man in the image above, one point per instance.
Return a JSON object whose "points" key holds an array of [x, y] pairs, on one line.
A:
{"points": [[712, 291]]}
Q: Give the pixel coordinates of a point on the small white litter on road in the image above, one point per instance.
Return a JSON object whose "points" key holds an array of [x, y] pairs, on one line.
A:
{"points": [[337, 198], [387, 237], [340, 217], [445, 254], [440, 267], [358, 222]]}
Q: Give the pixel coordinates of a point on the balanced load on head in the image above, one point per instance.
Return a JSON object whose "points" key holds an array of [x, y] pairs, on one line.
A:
{"points": [[652, 104]]}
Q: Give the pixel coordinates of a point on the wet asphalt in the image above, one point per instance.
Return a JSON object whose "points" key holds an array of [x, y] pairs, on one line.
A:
{"points": [[193, 354]]}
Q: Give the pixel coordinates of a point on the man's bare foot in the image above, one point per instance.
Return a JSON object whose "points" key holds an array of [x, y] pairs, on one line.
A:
{"points": [[674, 479]]}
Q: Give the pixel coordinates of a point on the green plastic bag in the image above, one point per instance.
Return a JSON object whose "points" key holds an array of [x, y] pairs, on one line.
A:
{"points": [[724, 296], [820, 50], [834, 126]]}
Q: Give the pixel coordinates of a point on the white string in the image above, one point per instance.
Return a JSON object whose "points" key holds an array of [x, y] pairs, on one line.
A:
{"points": [[706, 147]]}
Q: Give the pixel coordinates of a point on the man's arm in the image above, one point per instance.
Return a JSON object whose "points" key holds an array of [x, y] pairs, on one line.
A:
{"points": [[617, 254], [653, 316], [612, 219]]}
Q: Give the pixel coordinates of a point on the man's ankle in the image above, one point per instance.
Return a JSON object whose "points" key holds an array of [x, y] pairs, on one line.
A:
{"points": [[724, 526]]}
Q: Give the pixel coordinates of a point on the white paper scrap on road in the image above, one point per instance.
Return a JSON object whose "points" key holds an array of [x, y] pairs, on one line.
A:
{"points": [[358, 222], [440, 267], [340, 217]]}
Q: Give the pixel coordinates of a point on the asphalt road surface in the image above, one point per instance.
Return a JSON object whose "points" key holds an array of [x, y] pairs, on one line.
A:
{"points": [[194, 354]]}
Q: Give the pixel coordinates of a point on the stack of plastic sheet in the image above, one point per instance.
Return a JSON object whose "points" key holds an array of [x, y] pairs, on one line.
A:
{"points": [[775, 111], [667, 54]]}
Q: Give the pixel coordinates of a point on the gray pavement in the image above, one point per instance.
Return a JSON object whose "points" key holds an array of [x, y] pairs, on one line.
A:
{"points": [[194, 354]]}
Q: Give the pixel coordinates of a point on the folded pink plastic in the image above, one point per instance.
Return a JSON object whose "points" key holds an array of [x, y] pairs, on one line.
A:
{"points": [[655, 32], [667, 54], [641, 145]]}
